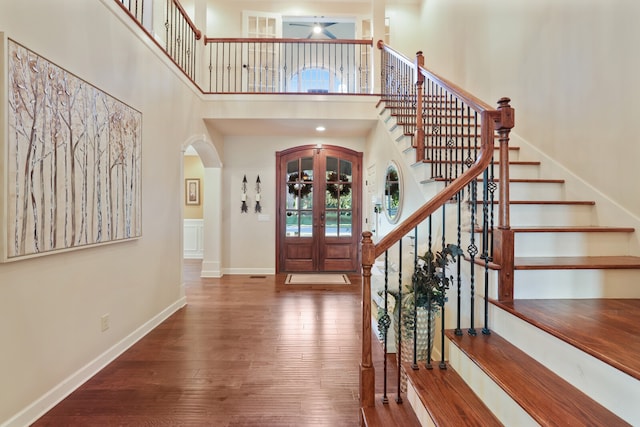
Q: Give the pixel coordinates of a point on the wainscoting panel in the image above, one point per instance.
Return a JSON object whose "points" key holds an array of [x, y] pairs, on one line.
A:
{"points": [[193, 238]]}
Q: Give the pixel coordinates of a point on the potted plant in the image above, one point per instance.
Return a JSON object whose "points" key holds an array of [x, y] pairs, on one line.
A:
{"points": [[422, 300]]}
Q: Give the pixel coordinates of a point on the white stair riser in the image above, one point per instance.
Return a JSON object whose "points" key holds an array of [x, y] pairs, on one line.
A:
{"points": [[551, 215], [423, 172], [613, 389], [496, 399], [461, 154], [418, 408], [528, 191], [571, 244], [556, 284]]}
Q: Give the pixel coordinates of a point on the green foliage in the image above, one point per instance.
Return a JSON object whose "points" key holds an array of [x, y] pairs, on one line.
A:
{"points": [[428, 288], [429, 283]]}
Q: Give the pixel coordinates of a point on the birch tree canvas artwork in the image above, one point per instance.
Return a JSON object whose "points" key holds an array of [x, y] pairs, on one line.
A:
{"points": [[73, 160]]}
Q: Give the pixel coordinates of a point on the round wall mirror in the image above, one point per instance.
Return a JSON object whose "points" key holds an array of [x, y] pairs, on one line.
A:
{"points": [[392, 200]]}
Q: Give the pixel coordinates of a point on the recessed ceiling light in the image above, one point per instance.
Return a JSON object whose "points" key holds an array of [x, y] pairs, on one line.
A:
{"points": [[321, 128]]}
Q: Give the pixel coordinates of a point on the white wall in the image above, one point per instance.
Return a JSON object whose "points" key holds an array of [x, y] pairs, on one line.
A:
{"points": [[50, 307], [570, 67]]}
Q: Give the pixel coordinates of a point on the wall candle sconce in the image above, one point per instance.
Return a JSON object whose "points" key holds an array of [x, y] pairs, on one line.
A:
{"points": [[244, 208], [377, 208], [258, 207]]}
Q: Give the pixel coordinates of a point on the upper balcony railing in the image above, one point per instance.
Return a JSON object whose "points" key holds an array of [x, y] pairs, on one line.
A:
{"points": [[254, 65], [180, 33], [288, 66]]}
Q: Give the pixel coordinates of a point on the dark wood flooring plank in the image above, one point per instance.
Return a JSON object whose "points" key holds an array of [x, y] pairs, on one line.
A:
{"points": [[243, 352]]}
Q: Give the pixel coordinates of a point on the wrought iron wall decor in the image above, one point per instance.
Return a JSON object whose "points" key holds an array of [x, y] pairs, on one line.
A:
{"points": [[244, 208], [258, 197], [73, 161]]}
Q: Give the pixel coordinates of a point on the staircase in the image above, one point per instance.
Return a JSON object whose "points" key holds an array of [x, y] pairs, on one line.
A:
{"points": [[564, 349]]}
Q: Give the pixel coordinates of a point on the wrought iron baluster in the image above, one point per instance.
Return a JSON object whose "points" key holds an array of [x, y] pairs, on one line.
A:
{"points": [[385, 399], [414, 365], [458, 330], [400, 314], [443, 272]]}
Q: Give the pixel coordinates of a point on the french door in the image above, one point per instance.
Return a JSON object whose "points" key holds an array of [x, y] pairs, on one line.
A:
{"points": [[319, 209]]}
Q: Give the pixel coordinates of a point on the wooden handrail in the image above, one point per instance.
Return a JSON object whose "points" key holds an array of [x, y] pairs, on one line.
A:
{"points": [[208, 40], [395, 53], [193, 27], [474, 102], [484, 158], [500, 120]]}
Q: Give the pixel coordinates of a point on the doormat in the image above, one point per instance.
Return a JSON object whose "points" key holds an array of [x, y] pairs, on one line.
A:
{"points": [[316, 279]]}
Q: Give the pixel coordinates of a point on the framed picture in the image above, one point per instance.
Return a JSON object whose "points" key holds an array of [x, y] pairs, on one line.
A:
{"points": [[192, 191], [71, 160]]}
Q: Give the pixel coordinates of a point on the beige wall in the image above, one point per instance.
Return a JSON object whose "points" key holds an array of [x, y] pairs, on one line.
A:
{"points": [[249, 243], [224, 18], [571, 68], [193, 169], [50, 307]]}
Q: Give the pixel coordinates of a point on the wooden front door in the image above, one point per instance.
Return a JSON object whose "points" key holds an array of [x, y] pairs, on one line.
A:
{"points": [[319, 209]]}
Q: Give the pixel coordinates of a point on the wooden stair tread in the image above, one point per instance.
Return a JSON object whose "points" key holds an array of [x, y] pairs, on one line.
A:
{"points": [[577, 262], [519, 180], [545, 202], [464, 147], [547, 398], [530, 180], [572, 229], [448, 398], [497, 162], [607, 329], [568, 229], [389, 414]]}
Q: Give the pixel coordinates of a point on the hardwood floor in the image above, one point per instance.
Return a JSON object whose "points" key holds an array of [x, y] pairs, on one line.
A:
{"points": [[245, 351]]}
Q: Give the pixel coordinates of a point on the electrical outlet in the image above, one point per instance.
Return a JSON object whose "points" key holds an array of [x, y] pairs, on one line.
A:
{"points": [[104, 322]]}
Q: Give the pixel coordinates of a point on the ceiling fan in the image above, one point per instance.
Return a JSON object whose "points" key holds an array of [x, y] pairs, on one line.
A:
{"points": [[317, 28]]}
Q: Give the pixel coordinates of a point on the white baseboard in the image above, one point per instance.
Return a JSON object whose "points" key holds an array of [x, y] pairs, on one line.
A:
{"points": [[251, 271], [54, 396], [211, 269]]}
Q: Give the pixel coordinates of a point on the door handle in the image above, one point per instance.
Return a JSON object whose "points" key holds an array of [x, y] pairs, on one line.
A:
{"points": [[321, 220]]}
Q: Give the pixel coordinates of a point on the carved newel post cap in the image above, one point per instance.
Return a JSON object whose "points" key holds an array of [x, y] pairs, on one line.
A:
{"points": [[504, 102]]}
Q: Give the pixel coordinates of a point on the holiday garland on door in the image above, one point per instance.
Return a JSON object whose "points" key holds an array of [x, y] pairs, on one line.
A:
{"points": [[298, 189]]}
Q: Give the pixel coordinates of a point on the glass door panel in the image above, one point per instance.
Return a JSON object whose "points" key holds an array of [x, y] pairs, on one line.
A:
{"points": [[299, 200]]}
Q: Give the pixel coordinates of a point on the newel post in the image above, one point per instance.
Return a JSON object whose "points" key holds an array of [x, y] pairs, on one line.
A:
{"points": [[504, 120], [418, 139], [367, 372]]}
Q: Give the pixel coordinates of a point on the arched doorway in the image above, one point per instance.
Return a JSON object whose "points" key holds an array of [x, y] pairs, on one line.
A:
{"points": [[319, 200], [212, 212]]}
